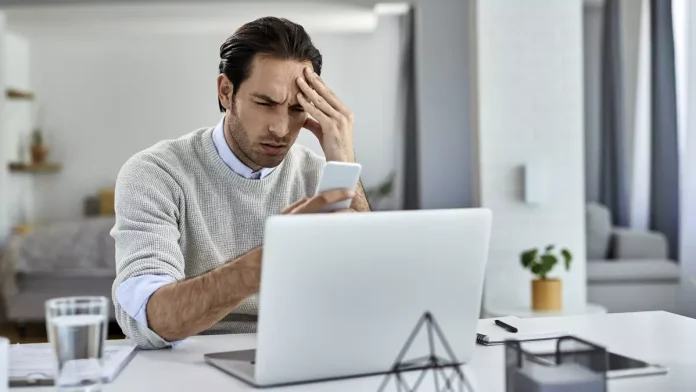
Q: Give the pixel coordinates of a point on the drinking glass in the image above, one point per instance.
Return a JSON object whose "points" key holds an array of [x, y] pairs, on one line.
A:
{"points": [[77, 329]]}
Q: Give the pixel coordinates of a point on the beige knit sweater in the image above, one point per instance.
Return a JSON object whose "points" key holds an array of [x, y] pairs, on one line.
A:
{"points": [[181, 212]]}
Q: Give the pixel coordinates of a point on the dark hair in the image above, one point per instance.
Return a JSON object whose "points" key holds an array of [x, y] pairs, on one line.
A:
{"points": [[271, 36]]}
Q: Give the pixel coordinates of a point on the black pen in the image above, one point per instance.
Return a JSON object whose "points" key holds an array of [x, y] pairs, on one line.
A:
{"points": [[507, 327]]}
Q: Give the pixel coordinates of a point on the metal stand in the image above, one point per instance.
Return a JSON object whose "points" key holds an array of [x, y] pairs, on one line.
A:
{"points": [[571, 365], [456, 381]]}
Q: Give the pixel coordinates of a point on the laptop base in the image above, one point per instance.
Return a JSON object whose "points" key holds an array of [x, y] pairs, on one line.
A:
{"points": [[240, 365]]}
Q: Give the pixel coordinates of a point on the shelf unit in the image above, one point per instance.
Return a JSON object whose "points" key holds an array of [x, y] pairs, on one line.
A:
{"points": [[13, 93], [19, 167]]}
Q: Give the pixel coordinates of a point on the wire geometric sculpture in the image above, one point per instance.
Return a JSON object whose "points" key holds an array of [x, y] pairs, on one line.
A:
{"points": [[455, 382]]}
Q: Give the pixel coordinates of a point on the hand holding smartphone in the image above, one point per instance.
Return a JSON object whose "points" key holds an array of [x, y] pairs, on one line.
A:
{"points": [[339, 175]]}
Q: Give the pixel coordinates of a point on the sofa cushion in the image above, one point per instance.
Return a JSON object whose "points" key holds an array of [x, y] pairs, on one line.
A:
{"points": [[598, 231], [607, 271], [638, 244]]}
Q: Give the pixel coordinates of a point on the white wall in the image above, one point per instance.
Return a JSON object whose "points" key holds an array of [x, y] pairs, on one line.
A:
{"points": [[4, 186], [18, 122], [16, 197], [105, 96], [529, 108], [382, 146]]}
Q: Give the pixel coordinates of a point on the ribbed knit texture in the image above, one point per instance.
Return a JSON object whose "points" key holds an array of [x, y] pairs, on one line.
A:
{"points": [[181, 212]]}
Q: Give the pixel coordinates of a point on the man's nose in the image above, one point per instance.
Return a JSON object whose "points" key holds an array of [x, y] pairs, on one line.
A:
{"points": [[280, 126]]}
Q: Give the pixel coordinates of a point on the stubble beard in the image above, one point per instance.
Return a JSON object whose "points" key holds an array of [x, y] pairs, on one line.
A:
{"points": [[243, 148]]}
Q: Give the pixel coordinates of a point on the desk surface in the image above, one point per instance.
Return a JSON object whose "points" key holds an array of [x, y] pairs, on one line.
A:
{"points": [[527, 312], [656, 337]]}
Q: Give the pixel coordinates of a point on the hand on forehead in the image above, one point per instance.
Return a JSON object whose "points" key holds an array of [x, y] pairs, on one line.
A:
{"points": [[275, 78]]}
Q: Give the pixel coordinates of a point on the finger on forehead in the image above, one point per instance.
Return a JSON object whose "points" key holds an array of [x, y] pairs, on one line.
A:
{"points": [[317, 99], [311, 109], [318, 84]]}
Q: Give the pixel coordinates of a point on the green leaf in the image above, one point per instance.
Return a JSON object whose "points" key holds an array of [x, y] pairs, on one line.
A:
{"points": [[536, 269], [383, 189], [528, 257], [386, 189], [568, 258], [547, 264], [549, 260], [549, 248], [387, 186]]}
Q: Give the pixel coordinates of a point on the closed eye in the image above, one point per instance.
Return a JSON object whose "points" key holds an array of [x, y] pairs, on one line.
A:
{"points": [[263, 104]]}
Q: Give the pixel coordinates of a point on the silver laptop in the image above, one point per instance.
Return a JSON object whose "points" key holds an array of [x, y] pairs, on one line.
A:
{"points": [[342, 294]]}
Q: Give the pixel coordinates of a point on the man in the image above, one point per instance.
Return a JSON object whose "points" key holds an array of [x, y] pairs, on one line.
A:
{"points": [[190, 212]]}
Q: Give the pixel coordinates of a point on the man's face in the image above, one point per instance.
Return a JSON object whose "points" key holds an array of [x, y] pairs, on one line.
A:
{"points": [[264, 118]]}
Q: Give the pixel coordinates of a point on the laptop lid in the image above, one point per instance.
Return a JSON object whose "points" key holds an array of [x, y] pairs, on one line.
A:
{"points": [[341, 293]]}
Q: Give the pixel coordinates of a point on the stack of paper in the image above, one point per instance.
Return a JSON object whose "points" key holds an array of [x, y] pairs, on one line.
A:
{"points": [[491, 334], [34, 364]]}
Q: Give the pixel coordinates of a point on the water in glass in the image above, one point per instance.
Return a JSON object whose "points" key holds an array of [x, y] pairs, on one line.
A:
{"points": [[77, 329]]}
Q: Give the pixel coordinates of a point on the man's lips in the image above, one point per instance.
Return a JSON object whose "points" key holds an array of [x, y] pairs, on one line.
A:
{"points": [[273, 148]]}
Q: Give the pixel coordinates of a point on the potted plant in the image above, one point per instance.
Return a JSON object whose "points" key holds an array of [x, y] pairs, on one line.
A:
{"points": [[546, 292], [380, 192], [39, 151]]}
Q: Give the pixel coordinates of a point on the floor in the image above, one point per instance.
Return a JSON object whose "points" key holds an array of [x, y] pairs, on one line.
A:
{"points": [[36, 332]]}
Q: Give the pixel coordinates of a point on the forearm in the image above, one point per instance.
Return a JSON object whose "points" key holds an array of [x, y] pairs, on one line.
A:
{"points": [[360, 202], [182, 309]]}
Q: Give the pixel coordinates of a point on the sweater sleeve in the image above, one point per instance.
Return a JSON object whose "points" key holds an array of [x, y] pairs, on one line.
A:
{"points": [[146, 235]]}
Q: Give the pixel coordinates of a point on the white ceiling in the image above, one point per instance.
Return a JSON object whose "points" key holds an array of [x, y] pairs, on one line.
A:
{"points": [[24, 3], [98, 17]]}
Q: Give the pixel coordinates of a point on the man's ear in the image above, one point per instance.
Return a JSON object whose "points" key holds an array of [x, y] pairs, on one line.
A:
{"points": [[224, 87]]}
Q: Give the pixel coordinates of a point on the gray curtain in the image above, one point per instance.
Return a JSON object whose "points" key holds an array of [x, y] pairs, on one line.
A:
{"points": [[664, 179], [411, 181], [613, 182]]}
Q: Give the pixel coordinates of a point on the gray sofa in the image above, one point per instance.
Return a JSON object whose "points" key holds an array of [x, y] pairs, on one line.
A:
{"points": [[67, 258], [628, 270]]}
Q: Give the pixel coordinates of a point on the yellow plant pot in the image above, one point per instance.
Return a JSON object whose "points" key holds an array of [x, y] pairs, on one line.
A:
{"points": [[39, 153], [546, 295]]}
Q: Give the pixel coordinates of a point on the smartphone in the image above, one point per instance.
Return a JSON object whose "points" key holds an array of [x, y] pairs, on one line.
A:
{"points": [[339, 175]]}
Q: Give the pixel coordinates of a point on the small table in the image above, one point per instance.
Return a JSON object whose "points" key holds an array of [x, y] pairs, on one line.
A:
{"points": [[527, 312]]}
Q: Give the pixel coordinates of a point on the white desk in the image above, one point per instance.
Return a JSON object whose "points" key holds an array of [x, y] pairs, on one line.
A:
{"points": [[527, 312], [657, 337]]}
